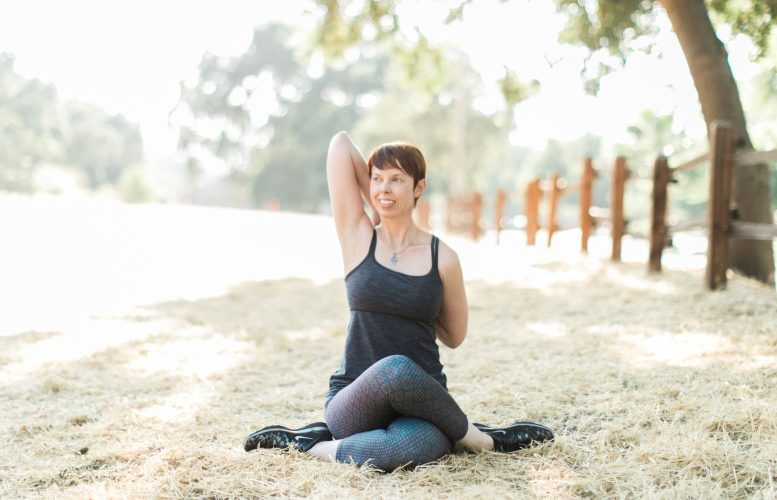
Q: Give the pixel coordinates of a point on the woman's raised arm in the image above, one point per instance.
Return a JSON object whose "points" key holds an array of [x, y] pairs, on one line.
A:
{"points": [[349, 182]]}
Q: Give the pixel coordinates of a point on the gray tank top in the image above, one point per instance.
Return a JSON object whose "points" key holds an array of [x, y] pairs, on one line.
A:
{"points": [[391, 313]]}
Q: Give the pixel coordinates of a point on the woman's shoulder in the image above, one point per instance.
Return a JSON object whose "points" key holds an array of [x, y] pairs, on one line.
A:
{"points": [[446, 256]]}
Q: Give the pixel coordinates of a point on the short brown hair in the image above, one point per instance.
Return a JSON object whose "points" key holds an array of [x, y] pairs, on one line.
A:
{"points": [[401, 155]]}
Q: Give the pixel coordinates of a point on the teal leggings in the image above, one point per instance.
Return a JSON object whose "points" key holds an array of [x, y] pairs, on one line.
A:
{"points": [[394, 414]]}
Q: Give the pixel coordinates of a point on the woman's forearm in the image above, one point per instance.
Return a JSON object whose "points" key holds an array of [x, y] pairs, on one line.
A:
{"points": [[442, 334], [360, 170]]}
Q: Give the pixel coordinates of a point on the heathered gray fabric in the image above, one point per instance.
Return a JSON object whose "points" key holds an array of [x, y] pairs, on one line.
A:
{"points": [[391, 313]]}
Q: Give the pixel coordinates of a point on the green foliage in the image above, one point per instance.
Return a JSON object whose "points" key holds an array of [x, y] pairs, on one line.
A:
{"points": [[222, 98], [37, 127], [423, 65], [653, 135], [342, 28], [616, 24], [759, 98], [274, 138], [374, 96], [610, 24], [610, 29], [619, 27], [349, 23], [102, 146], [514, 90], [291, 167], [754, 18], [760, 102], [464, 148], [30, 127], [133, 187]]}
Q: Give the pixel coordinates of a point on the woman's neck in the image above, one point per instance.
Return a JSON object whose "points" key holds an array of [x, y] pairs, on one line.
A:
{"points": [[398, 233]]}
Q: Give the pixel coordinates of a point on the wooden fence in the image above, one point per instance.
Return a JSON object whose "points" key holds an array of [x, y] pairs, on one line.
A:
{"points": [[721, 222], [463, 214], [590, 216]]}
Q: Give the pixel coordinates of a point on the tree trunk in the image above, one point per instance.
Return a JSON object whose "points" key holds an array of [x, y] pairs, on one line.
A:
{"points": [[708, 62]]}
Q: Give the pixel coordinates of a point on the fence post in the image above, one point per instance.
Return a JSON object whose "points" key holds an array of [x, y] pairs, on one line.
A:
{"points": [[477, 210], [586, 197], [555, 192], [617, 219], [533, 196], [499, 211], [718, 215], [658, 230]]}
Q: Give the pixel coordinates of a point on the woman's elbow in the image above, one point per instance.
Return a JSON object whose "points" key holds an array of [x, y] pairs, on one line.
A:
{"points": [[455, 344], [454, 341], [340, 137]]}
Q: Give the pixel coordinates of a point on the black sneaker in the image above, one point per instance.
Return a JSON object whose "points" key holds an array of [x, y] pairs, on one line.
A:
{"points": [[278, 436], [517, 435]]}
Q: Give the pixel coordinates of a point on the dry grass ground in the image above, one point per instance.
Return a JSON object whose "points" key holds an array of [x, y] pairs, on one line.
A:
{"points": [[139, 345]]}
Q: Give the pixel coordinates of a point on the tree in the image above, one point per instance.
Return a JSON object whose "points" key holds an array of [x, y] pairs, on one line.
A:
{"points": [[36, 126], [101, 145], [291, 167], [31, 127], [463, 146], [614, 26], [267, 116], [281, 156]]}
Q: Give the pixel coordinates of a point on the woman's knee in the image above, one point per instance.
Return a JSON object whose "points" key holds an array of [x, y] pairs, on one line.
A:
{"points": [[416, 441], [407, 442], [395, 360], [397, 367]]}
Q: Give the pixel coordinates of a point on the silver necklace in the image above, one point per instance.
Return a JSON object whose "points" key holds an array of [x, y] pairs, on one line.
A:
{"points": [[394, 259]]}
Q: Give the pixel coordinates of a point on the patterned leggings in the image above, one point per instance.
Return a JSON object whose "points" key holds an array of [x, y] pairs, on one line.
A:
{"points": [[394, 414]]}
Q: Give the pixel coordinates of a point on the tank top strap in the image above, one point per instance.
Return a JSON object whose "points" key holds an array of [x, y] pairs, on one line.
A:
{"points": [[435, 248], [373, 243]]}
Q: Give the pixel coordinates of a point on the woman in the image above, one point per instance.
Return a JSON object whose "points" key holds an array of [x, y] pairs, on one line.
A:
{"points": [[388, 404]]}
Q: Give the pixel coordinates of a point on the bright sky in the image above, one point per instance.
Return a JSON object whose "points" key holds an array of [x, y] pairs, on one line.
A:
{"points": [[129, 57]]}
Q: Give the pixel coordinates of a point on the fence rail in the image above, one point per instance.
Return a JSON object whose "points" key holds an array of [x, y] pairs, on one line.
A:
{"points": [[692, 163], [749, 158], [721, 221]]}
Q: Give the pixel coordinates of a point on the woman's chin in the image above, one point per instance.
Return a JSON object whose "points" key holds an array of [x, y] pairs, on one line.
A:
{"points": [[393, 214]]}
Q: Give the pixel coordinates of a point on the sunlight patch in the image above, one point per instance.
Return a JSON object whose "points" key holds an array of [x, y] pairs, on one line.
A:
{"points": [[81, 339], [552, 329], [313, 333], [678, 349], [191, 357], [549, 480], [641, 283], [179, 406]]}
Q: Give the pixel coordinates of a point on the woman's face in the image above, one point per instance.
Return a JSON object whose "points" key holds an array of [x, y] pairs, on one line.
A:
{"points": [[392, 191]]}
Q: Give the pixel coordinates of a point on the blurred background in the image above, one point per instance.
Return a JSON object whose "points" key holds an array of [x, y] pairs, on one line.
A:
{"points": [[185, 102]]}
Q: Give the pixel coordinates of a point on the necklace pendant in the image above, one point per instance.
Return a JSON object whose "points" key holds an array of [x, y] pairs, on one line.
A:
{"points": [[394, 260]]}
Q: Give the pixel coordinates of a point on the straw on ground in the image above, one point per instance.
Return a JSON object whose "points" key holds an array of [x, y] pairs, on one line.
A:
{"points": [[112, 387]]}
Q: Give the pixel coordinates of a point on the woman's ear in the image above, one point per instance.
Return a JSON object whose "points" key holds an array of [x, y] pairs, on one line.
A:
{"points": [[419, 188]]}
